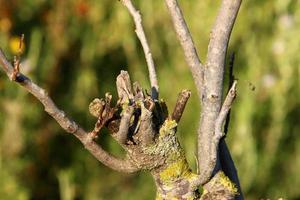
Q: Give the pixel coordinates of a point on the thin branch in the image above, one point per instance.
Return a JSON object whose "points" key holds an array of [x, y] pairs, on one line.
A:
{"points": [[182, 99], [186, 42], [66, 123], [142, 37], [224, 111]]}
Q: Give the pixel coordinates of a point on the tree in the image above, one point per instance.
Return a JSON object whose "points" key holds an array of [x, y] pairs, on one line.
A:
{"points": [[142, 125]]}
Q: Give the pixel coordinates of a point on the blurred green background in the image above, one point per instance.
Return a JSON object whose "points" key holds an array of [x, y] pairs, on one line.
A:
{"points": [[76, 48]]}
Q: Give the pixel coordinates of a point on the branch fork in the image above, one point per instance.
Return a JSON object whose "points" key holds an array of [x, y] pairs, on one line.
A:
{"points": [[141, 123]]}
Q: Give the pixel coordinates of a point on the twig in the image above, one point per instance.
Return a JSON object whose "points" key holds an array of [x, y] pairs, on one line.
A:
{"points": [[187, 44], [224, 111], [142, 37], [65, 122], [182, 99]]}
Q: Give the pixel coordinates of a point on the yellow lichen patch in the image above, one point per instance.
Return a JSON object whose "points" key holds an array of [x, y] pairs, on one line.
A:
{"points": [[175, 170], [167, 126], [226, 182]]}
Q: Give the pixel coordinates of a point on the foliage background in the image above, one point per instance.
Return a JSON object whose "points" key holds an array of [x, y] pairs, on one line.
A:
{"points": [[76, 48]]}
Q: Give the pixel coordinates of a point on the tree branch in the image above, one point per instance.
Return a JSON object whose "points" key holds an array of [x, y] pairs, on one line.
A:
{"points": [[217, 48], [66, 123], [213, 80], [187, 44], [142, 37]]}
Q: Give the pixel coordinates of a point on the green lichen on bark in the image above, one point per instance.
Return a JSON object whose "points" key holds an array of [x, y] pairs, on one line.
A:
{"points": [[174, 178], [219, 187], [226, 182]]}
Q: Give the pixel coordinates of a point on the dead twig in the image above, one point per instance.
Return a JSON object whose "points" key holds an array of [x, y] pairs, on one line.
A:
{"points": [[224, 111], [182, 99]]}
